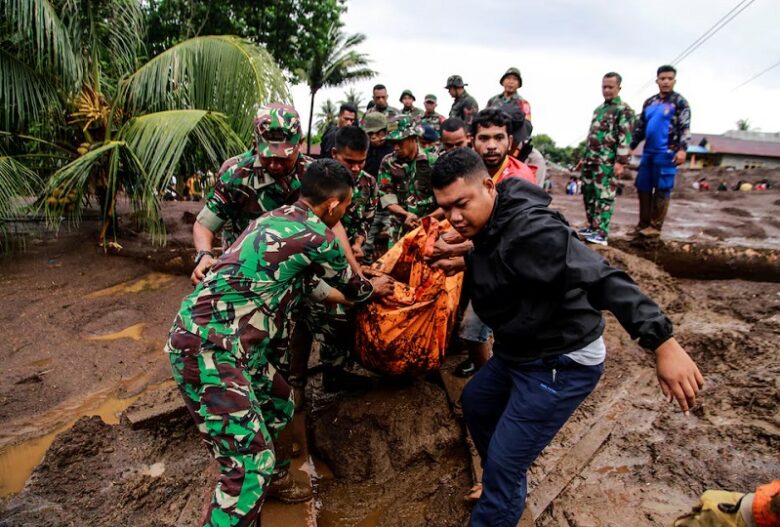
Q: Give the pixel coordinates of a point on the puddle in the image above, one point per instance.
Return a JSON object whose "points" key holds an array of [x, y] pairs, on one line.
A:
{"points": [[18, 461], [133, 332], [41, 363], [148, 282]]}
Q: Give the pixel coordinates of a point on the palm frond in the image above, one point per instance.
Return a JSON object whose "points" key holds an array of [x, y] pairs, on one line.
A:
{"points": [[24, 94], [123, 24], [156, 143], [218, 73], [16, 180], [40, 28], [65, 190]]}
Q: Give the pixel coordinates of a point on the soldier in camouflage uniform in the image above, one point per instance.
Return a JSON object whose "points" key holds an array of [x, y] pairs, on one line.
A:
{"points": [[606, 154], [405, 180], [408, 99], [224, 343], [332, 326], [511, 81], [379, 100], [255, 182], [430, 117], [464, 106]]}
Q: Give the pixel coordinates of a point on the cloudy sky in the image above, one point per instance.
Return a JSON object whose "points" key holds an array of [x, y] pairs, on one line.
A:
{"points": [[563, 47]]}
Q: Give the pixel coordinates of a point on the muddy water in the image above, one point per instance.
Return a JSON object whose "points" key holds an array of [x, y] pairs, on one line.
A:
{"points": [[18, 461], [134, 332], [149, 282]]}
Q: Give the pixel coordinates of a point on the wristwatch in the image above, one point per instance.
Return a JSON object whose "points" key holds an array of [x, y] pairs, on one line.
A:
{"points": [[201, 254]]}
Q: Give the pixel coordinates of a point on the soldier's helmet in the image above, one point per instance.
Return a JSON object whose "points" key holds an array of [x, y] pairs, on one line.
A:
{"points": [[512, 71], [277, 130], [405, 93], [403, 126], [374, 122], [455, 81]]}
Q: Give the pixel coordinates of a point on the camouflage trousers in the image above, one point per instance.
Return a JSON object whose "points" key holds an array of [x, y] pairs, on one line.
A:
{"points": [[378, 240], [240, 405], [331, 326], [599, 189]]}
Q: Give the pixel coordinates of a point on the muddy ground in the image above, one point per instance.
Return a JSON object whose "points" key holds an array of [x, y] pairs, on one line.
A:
{"points": [[84, 333]]}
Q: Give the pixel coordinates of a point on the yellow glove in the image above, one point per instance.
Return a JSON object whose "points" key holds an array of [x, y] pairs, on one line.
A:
{"points": [[716, 508]]}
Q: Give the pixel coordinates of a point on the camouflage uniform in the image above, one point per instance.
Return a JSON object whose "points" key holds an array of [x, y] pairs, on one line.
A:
{"points": [[464, 107], [332, 325], [607, 143], [433, 120], [227, 340], [403, 182], [388, 112], [499, 101], [245, 190]]}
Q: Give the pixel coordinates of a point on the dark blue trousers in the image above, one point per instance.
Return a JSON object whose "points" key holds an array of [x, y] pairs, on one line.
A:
{"points": [[512, 413]]}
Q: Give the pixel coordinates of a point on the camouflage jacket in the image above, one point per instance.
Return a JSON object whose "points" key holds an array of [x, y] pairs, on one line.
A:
{"points": [[244, 303], [407, 183], [245, 191], [360, 214], [414, 112], [464, 107], [610, 134], [497, 101], [433, 120]]}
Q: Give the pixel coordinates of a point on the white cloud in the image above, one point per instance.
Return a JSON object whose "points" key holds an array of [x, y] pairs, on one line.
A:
{"points": [[563, 47]]}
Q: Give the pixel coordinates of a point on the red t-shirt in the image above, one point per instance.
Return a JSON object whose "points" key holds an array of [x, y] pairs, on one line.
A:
{"points": [[514, 168]]}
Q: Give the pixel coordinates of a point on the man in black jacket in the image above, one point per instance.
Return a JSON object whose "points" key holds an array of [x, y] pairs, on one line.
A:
{"points": [[542, 292]]}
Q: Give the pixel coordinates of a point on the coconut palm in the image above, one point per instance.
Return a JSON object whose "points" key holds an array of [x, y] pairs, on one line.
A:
{"points": [[326, 117], [353, 97], [334, 64], [743, 125], [75, 93]]}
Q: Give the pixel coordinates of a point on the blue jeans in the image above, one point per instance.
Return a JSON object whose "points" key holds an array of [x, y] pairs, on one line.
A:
{"points": [[512, 413], [656, 172]]}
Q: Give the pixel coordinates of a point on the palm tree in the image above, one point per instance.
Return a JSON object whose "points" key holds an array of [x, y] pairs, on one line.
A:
{"points": [[353, 97], [326, 116], [335, 63], [78, 104], [743, 125]]}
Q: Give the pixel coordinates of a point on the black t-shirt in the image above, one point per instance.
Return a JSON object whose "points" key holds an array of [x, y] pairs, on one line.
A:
{"points": [[375, 157]]}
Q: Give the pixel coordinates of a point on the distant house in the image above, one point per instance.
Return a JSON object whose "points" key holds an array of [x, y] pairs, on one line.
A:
{"points": [[734, 149]]}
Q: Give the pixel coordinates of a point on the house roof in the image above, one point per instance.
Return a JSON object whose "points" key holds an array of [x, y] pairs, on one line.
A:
{"points": [[721, 144]]}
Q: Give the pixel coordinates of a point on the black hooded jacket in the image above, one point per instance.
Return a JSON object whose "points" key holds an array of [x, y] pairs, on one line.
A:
{"points": [[541, 290]]}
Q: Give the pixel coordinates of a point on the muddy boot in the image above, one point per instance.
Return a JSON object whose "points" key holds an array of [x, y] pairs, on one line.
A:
{"points": [[337, 379], [645, 212], [659, 210], [285, 489]]}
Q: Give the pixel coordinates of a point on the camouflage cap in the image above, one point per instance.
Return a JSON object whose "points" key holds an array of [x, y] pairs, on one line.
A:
{"points": [[512, 71], [430, 97], [374, 122], [406, 92], [277, 130], [455, 81], [403, 126]]}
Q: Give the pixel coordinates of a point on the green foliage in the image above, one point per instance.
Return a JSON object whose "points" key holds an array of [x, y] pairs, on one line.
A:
{"points": [[291, 30], [77, 102], [326, 117], [743, 125], [565, 156]]}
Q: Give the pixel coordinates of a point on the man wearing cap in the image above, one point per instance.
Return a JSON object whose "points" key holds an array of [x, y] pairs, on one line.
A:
{"points": [[408, 99], [511, 81], [429, 139], [607, 152], [405, 180], [464, 105], [431, 117], [375, 125]]}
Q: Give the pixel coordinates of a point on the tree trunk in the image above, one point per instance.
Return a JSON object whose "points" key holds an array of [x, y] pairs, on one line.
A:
{"points": [[311, 118]]}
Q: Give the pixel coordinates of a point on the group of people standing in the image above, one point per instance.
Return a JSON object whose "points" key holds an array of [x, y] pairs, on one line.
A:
{"points": [[294, 232]]}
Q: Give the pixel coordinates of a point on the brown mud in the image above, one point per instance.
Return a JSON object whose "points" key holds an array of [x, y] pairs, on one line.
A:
{"points": [[84, 334]]}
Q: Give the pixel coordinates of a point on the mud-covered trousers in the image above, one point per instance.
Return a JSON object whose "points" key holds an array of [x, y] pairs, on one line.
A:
{"points": [[512, 413], [599, 190], [239, 406]]}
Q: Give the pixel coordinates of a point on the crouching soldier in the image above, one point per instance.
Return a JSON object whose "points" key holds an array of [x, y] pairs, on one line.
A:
{"points": [[229, 335]]}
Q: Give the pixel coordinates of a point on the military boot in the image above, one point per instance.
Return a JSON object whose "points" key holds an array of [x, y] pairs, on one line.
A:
{"points": [[285, 489]]}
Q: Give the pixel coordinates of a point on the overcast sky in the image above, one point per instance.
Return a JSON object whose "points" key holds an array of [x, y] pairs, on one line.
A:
{"points": [[563, 48]]}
